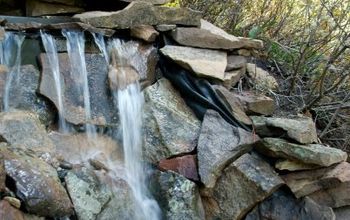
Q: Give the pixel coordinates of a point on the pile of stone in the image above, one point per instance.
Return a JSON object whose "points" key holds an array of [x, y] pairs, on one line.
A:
{"points": [[205, 169]]}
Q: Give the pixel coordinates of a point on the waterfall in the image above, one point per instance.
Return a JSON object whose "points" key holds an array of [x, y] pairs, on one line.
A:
{"points": [[51, 51], [11, 57], [129, 102], [76, 53]]}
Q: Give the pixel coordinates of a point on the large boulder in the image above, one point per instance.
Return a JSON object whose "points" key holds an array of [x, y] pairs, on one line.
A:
{"points": [[307, 182], [170, 126], [283, 206], [22, 93], [242, 185], [219, 144], [23, 129], [211, 37], [178, 197], [310, 154], [202, 62], [36, 183], [300, 129], [141, 13]]}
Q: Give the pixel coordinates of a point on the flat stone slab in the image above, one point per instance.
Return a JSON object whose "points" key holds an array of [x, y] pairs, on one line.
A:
{"points": [[256, 104], [202, 62], [243, 184], [170, 126], [310, 154], [211, 37], [220, 144], [262, 79], [141, 13], [184, 165]]}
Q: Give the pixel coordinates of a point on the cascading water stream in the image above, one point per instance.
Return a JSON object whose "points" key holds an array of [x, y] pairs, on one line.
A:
{"points": [[129, 101], [12, 42], [76, 53], [51, 51]]}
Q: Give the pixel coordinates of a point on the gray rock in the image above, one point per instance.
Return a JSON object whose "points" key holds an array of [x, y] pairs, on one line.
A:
{"points": [[232, 77], [144, 32], [141, 13], [22, 93], [38, 8], [178, 197], [235, 62], [336, 196], [242, 185], [87, 195], [292, 165], [283, 206], [37, 183], [203, 62], [300, 129], [165, 27], [257, 103], [2, 175], [236, 106], [211, 37], [170, 126], [310, 154], [102, 109], [23, 129], [219, 144], [342, 213], [262, 79], [307, 182]]}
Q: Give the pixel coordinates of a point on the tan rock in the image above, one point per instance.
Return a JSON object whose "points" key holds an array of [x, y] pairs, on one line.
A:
{"points": [[13, 201], [235, 62], [256, 103], [38, 8], [335, 197], [262, 78], [203, 62], [144, 32], [292, 165], [232, 77]]}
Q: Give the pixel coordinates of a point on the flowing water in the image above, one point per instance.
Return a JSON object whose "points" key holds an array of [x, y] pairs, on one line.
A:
{"points": [[51, 51], [76, 53], [129, 101], [11, 57]]}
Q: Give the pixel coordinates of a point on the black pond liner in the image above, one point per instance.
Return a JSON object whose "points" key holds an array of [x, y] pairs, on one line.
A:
{"points": [[198, 93]]}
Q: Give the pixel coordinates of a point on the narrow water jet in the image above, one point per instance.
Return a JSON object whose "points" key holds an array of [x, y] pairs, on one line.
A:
{"points": [[13, 43], [129, 101], [100, 42], [51, 51], [76, 53]]}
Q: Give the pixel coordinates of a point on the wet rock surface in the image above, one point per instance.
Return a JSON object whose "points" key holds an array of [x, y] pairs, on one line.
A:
{"points": [[250, 179], [37, 183], [178, 196], [202, 62], [170, 126], [219, 144], [310, 154], [184, 165], [144, 32]]}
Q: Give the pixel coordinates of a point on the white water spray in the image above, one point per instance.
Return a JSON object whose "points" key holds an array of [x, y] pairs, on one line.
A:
{"points": [[51, 51]]}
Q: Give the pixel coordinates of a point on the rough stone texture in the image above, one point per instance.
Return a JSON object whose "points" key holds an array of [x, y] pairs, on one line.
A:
{"points": [[243, 184], [38, 8], [102, 109], [170, 126], [184, 165], [301, 129], [8, 212], [283, 206], [291, 165], [211, 37], [235, 105], [177, 196], [334, 197], [256, 103], [141, 13], [22, 93], [13, 201], [37, 183], [119, 77], [261, 78], [165, 27], [203, 62], [144, 32], [23, 129], [2, 175], [219, 144], [310, 154], [235, 62], [87, 195], [155, 2], [342, 213], [306, 182], [232, 77]]}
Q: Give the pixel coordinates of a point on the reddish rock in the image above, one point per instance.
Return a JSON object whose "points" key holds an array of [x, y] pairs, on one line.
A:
{"points": [[8, 212], [185, 165]]}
